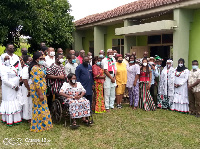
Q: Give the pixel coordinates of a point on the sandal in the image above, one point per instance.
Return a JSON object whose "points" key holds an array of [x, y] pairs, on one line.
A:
{"points": [[87, 122], [74, 125]]}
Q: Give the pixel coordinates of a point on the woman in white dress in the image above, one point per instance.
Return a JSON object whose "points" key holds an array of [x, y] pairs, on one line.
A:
{"points": [[11, 106], [166, 91], [27, 107], [180, 102]]}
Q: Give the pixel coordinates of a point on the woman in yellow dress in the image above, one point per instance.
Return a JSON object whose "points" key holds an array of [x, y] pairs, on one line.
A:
{"points": [[41, 118]]}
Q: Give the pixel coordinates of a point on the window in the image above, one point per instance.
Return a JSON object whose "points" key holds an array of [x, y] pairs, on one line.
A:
{"points": [[118, 44]]}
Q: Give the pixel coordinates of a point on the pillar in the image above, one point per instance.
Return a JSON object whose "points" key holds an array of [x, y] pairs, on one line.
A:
{"points": [[99, 32], [78, 40], [183, 17]]}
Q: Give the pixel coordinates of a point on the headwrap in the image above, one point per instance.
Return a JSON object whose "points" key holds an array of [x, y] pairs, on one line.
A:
{"points": [[179, 69]]}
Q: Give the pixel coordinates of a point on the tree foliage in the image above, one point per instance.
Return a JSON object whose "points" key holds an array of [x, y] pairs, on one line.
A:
{"points": [[43, 20]]}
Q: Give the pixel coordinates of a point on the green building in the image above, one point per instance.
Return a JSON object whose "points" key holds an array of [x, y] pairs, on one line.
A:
{"points": [[168, 28]]}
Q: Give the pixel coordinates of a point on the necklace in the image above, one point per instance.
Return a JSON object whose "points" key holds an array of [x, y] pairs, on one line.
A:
{"points": [[177, 74]]}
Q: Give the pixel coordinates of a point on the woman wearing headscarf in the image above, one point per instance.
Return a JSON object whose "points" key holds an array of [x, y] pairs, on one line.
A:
{"points": [[41, 118], [166, 92], [180, 102], [10, 107]]}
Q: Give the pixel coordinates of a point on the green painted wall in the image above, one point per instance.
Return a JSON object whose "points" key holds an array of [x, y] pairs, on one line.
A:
{"points": [[194, 48], [111, 35], [89, 36], [141, 40]]}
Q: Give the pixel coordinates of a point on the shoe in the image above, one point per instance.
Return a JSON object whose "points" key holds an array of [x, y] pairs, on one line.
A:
{"points": [[118, 106], [121, 105]]}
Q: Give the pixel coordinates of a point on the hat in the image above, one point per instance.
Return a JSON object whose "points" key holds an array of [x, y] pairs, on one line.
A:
{"points": [[158, 58]]}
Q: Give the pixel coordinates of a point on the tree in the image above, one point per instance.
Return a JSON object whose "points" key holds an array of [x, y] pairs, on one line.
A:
{"points": [[43, 20]]}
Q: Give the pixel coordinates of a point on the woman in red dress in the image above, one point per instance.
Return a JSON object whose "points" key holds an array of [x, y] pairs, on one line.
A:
{"points": [[99, 78], [146, 101]]}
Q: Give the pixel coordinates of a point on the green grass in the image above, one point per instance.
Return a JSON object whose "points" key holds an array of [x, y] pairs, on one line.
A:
{"points": [[122, 129]]}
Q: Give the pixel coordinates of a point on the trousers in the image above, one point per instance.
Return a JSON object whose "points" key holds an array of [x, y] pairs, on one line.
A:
{"points": [[109, 97]]}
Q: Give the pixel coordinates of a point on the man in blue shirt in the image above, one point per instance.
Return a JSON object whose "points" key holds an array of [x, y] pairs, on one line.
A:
{"points": [[85, 77]]}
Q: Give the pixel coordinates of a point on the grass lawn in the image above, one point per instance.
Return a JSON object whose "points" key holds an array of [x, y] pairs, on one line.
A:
{"points": [[123, 128]]}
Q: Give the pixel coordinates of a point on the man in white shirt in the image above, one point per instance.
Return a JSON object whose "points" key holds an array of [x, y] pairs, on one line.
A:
{"points": [[14, 59], [50, 58], [70, 67], [108, 64]]}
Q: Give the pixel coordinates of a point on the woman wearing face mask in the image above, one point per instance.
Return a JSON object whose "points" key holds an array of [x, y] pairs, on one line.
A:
{"points": [[41, 118], [181, 102], [79, 106], [99, 79], [10, 108], [27, 107], [133, 72], [166, 92], [146, 101], [121, 80]]}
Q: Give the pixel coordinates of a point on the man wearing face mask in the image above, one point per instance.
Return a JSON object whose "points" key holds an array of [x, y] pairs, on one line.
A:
{"points": [[85, 77], [24, 52], [14, 59], [194, 89], [70, 67], [50, 58], [72, 52], [90, 58], [154, 74], [109, 66], [56, 77], [167, 88]]}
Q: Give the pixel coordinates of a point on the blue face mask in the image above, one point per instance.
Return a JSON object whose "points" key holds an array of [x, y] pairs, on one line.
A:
{"points": [[158, 65], [98, 63], [41, 62], [131, 62], [74, 61], [195, 67]]}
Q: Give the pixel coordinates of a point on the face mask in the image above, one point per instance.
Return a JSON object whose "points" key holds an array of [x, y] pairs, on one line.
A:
{"points": [[85, 64], [98, 63], [144, 64], [110, 56], [151, 63], [41, 62], [7, 63], [158, 65], [24, 52], [73, 81], [131, 62], [61, 60], [195, 67], [101, 56], [28, 63], [73, 61], [127, 58], [61, 53], [52, 53], [119, 61], [90, 57], [180, 65]]}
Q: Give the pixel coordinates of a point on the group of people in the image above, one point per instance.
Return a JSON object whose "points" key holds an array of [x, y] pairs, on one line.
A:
{"points": [[30, 84]]}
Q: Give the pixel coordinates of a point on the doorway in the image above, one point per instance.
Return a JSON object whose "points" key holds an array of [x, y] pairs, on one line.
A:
{"points": [[162, 51]]}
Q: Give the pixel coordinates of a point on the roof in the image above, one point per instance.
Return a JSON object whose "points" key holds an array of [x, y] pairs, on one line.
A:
{"points": [[132, 7]]}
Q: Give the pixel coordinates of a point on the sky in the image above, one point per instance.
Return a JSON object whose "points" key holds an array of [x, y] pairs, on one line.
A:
{"points": [[83, 8]]}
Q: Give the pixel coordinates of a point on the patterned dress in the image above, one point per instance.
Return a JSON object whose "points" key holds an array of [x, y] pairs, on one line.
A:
{"points": [[146, 101], [77, 108], [41, 118], [100, 106]]}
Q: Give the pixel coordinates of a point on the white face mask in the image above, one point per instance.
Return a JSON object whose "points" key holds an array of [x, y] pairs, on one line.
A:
{"points": [[7, 63], [52, 53], [90, 57], [127, 58], [144, 64], [151, 63], [61, 60], [180, 65], [110, 56], [169, 65]]}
